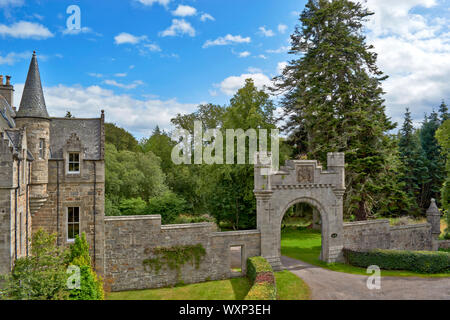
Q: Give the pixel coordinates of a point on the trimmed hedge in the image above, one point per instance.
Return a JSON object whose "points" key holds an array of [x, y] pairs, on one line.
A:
{"points": [[417, 261], [260, 273]]}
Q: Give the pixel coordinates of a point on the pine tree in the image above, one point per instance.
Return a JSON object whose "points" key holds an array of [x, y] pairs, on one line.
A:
{"points": [[414, 171], [333, 102], [443, 112], [435, 160]]}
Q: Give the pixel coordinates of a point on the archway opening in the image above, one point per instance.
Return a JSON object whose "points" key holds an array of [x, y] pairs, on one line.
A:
{"points": [[301, 233]]}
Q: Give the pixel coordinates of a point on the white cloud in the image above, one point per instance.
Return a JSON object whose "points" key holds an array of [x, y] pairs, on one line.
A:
{"points": [[132, 85], [261, 56], [25, 30], [178, 27], [95, 75], [232, 84], [266, 32], [244, 54], [78, 31], [13, 57], [414, 50], [282, 49], [184, 11], [151, 2], [282, 28], [153, 47], [11, 3], [138, 116], [227, 40], [120, 75], [207, 16], [125, 37], [281, 66], [254, 70]]}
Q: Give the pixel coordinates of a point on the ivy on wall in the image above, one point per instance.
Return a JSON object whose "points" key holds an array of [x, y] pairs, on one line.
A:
{"points": [[174, 257]]}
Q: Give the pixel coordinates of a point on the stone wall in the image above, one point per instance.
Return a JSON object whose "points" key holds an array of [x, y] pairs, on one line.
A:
{"points": [[378, 234], [444, 244], [129, 240]]}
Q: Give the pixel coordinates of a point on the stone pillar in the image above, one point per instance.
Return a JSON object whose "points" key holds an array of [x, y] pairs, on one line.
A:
{"points": [[434, 218]]}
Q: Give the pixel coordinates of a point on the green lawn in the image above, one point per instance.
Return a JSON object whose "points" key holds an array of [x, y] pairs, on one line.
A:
{"points": [[289, 287], [305, 245]]}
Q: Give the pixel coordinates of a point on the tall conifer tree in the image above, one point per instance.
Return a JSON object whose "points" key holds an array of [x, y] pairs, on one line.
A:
{"points": [[333, 101]]}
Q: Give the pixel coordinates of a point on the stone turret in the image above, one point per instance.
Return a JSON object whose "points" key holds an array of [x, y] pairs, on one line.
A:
{"points": [[336, 163], [33, 116]]}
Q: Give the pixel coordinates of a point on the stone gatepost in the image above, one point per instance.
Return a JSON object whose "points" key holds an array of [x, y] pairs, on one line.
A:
{"points": [[434, 218]]}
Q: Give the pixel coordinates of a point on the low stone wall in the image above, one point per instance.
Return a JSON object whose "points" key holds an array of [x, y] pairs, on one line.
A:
{"points": [[129, 240], [378, 234], [444, 244]]}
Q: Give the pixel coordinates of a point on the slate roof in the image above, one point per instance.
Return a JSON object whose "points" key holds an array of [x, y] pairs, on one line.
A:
{"points": [[88, 130], [32, 104], [6, 114], [15, 136]]}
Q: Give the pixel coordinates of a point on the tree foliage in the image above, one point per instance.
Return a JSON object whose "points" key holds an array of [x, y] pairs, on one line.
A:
{"points": [[333, 102], [40, 276], [91, 286], [443, 136]]}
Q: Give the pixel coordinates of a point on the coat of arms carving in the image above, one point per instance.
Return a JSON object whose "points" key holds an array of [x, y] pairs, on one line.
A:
{"points": [[305, 174]]}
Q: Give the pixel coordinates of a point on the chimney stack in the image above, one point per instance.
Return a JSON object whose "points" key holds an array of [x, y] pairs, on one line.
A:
{"points": [[7, 90]]}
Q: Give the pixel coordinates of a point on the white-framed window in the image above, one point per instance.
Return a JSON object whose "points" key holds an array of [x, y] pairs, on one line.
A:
{"points": [[41, 148], [73, 223], [74, 162]]}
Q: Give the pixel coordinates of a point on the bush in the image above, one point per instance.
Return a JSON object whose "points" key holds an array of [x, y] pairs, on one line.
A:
{"points": [[168, 205], [42, 275], [133, 206], [91, 286], [260, 273], [417, 261]]}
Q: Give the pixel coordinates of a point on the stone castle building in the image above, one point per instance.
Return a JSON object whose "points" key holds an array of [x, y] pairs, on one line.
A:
{"points": [[51, 174]]}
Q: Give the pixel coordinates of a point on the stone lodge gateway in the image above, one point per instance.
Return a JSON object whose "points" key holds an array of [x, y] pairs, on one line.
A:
{"points": [[52, 176]]}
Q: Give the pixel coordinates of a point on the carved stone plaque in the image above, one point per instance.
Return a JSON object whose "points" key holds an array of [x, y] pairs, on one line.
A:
{"points": [[305, 174]]}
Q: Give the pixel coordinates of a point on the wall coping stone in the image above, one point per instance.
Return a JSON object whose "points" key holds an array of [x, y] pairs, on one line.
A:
{"points": [[187, 225], [235, 233], [132, 218], [358, 223], [411, 226]]}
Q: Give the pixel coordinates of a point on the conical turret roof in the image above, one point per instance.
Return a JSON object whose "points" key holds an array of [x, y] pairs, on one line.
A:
{"points": [[32, 104]]}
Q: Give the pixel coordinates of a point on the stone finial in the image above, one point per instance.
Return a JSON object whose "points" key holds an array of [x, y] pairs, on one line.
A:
{"points": [[433, 209]]}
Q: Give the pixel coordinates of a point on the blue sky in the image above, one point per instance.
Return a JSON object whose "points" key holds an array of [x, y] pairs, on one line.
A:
{"points": [[144, 61]]}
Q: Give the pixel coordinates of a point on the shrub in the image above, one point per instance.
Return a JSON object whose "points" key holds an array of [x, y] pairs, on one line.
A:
{"points": [[260, 273], [42, 275], [417, 261], [133, 206], [91, 286], [168, 205]]}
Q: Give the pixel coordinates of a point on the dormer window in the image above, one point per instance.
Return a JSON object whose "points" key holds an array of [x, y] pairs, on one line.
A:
{"points": [[74, 162], [41, 148]]}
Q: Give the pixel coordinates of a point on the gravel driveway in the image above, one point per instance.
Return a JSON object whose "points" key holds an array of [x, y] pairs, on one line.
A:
{"points": [[331, 285]]}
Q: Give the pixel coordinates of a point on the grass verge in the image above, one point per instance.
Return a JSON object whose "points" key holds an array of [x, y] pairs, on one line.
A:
{"points": [[289, 287], [305, 245]]}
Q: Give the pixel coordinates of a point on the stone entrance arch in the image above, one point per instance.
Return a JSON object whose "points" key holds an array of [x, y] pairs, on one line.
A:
{"points": [[301, 181]]}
